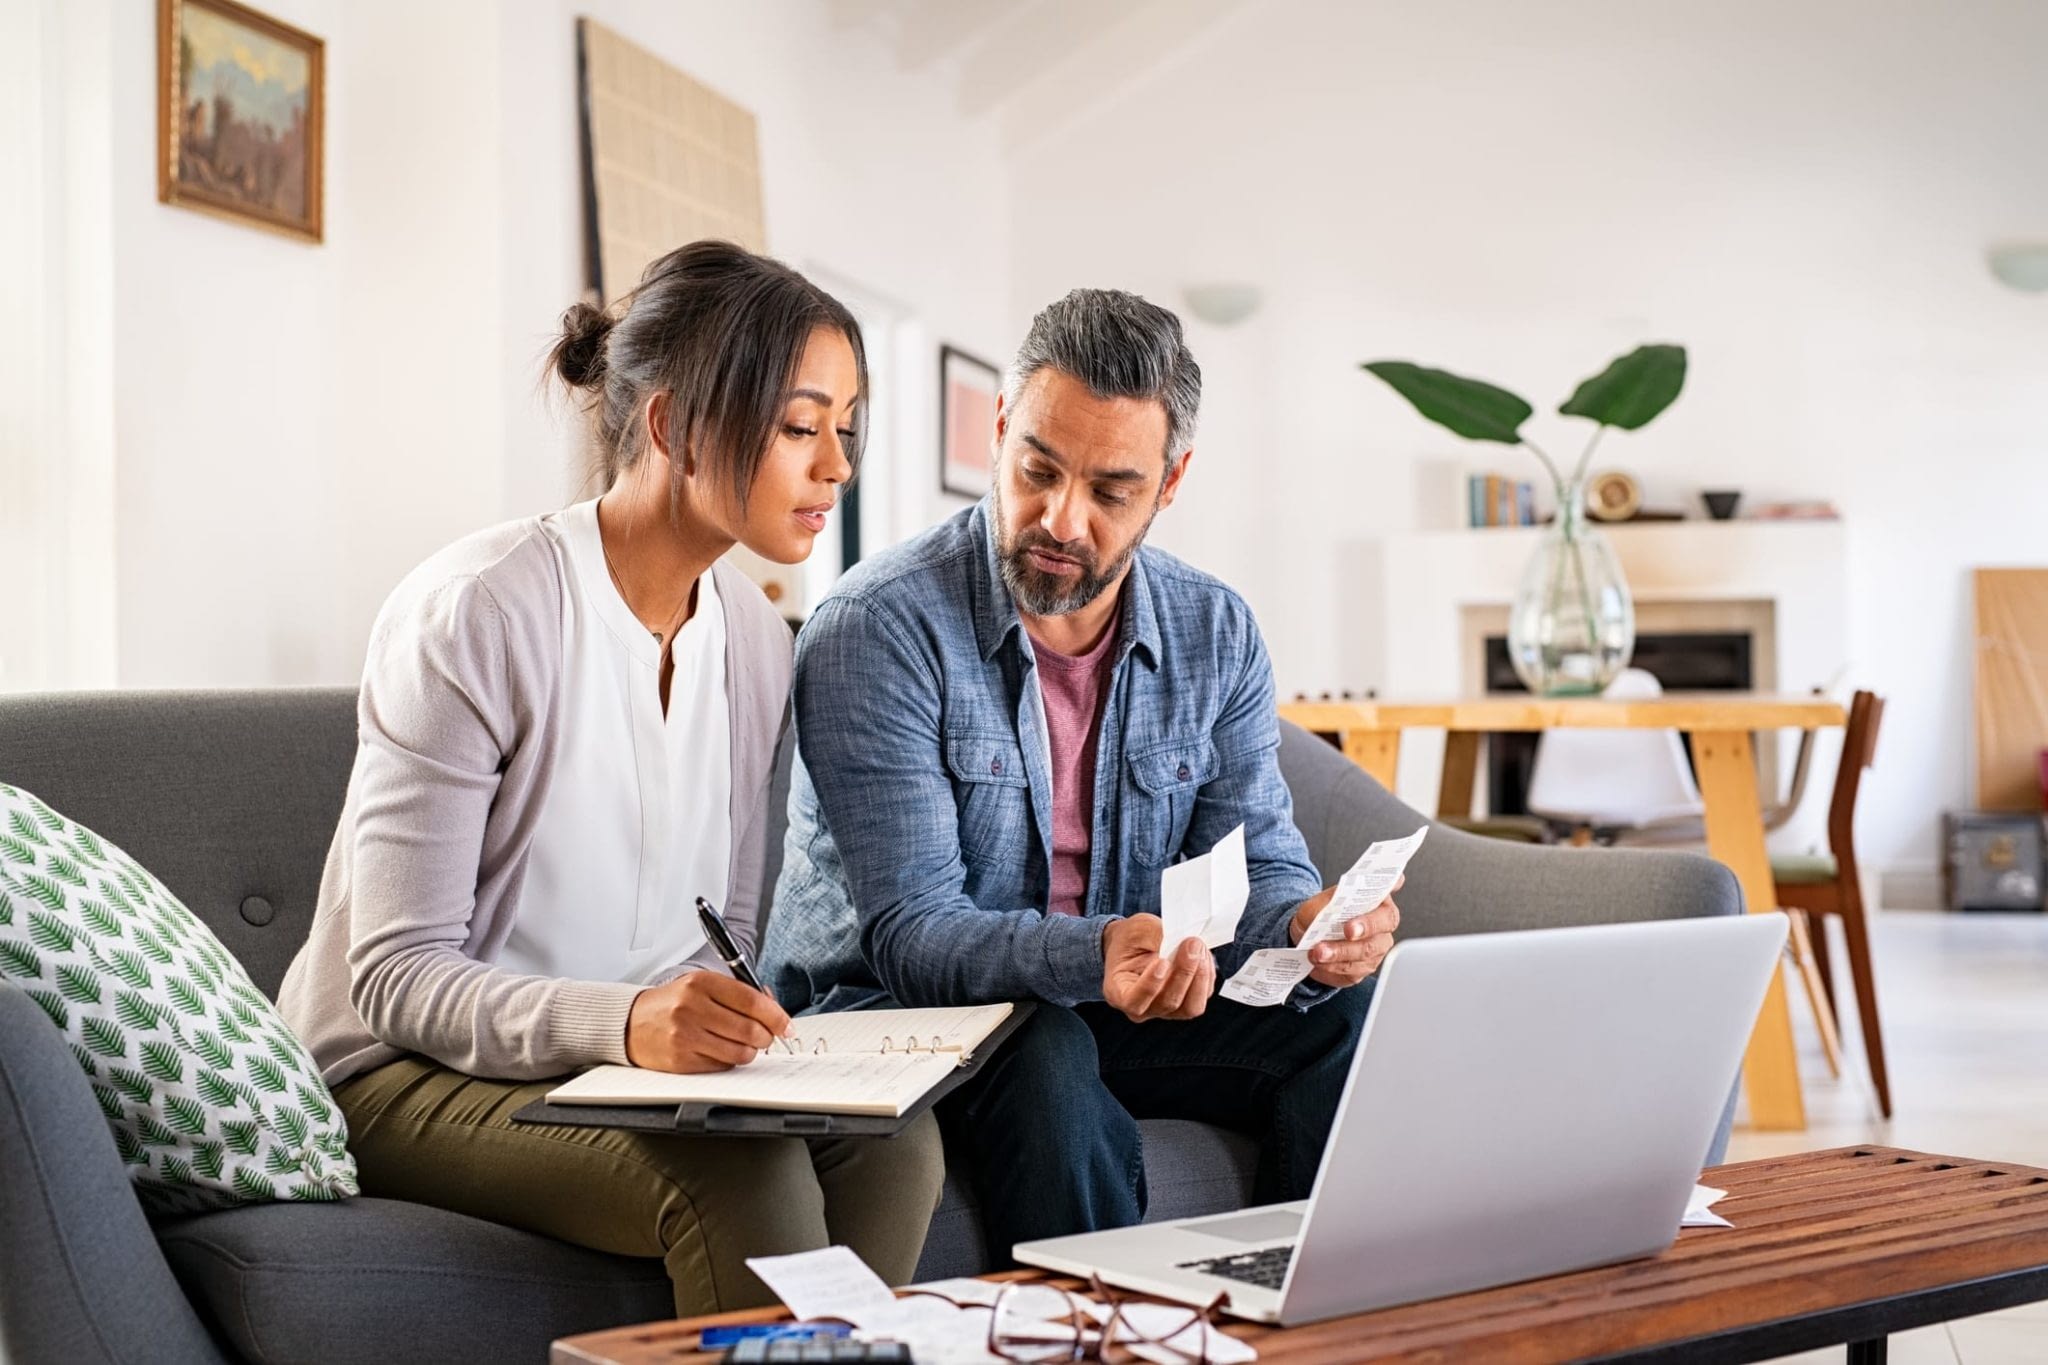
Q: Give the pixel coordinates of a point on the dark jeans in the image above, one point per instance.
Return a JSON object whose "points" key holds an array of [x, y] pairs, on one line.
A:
{"points": [[1050, 1126]]}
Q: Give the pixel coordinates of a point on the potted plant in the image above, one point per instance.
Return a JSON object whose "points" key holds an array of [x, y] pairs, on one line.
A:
{"points": [[1572, 626]]}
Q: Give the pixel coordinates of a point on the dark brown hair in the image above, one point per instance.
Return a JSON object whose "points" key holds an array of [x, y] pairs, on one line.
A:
{"points": [[722, 332]]}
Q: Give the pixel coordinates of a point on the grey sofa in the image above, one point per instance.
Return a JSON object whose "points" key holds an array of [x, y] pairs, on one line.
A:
{"points": [[231, 798]]}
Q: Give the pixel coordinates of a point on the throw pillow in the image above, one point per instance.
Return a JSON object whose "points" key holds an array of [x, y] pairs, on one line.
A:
{"points": [[213, 1101]]}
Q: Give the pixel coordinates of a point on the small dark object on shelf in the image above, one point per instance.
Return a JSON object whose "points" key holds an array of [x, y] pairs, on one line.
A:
{"points": [[1721, 503]]}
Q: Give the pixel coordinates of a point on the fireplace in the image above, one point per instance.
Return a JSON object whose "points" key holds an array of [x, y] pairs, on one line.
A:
{"points": [[1686, 644], [1680, 660]]}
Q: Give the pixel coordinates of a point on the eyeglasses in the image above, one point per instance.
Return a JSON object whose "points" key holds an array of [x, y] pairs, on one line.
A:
{"points": [[1035, 1324]]}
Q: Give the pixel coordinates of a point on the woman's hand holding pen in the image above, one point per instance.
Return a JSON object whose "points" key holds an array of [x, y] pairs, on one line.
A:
{"points": [[701, 1021]]}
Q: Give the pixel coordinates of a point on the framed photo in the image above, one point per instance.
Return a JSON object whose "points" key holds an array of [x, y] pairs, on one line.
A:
{"points": [[967, 422], [241, 105]]}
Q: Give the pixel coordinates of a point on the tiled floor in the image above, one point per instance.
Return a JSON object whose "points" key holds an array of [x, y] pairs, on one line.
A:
{"points": [[1964, 1000]]}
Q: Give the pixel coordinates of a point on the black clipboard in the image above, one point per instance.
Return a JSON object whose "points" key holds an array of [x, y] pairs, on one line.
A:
{"points": [[727, 1120]]}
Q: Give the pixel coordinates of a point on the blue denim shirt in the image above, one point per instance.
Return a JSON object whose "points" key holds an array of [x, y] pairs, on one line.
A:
{"points": [[918, 859]]}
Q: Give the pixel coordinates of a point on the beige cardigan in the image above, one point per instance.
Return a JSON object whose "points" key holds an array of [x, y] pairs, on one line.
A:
{"points": [[457, 727]]}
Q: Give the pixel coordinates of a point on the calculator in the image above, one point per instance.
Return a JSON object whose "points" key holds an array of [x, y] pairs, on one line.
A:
{"points": [[818, 1351]]}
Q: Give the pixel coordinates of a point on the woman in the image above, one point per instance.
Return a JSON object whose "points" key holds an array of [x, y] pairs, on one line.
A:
{"points": [[568, 726]]}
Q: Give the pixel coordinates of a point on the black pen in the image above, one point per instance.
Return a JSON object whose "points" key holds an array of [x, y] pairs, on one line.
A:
{"points": [[726, 947]]}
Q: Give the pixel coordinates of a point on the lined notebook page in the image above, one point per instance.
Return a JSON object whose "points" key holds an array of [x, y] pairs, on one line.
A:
{"points": [[856, 1031], [822, 1083]]}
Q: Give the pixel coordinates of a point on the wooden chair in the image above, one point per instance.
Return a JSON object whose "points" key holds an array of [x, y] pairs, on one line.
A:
{"points": [[1828, 884]]}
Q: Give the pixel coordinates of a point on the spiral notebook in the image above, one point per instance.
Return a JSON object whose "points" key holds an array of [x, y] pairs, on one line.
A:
{"points": [[876, 1062]]}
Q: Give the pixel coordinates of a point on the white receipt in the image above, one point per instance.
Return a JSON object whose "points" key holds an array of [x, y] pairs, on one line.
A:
{"points": [[1270, 974], [1370, 881], [1267, 976], [1205, 897], [831, 1283]]}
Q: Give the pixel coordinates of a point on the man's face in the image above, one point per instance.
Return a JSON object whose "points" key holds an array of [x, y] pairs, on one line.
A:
{"points": [[1078, 481]]}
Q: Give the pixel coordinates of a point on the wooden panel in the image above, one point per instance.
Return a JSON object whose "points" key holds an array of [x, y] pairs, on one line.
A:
{"points": [[1735, 835], [2012, 686], [1814, 1233], [1674, 711], [1376, 751], [671, 159], [1460, 775]]}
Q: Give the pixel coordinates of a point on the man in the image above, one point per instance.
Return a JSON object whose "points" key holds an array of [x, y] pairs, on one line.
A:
{"points": [[1007, 727]]}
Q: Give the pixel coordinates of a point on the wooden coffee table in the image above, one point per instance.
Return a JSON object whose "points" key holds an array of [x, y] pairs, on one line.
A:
{"points": [[1844, 1246]]}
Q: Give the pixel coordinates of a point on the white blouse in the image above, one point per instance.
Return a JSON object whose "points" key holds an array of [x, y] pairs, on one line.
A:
{"points": [[638, 821]]}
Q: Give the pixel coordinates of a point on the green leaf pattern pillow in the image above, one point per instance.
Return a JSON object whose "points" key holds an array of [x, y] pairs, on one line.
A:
{"points": [[212, 1099]]}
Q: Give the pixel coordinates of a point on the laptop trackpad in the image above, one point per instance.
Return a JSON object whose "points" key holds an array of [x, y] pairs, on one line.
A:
{"points": [[1261, 1225]]}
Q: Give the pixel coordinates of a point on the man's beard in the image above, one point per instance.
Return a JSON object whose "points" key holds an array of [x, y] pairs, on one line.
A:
{"points": [[1038, 593]]}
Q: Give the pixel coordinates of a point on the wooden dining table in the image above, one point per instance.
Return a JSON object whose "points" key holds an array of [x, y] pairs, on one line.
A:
{"points": [[1721, 729]]}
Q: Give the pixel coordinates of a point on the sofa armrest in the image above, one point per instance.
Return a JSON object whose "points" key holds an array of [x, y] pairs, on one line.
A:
{"points": [[1463, 883], [81, 1278]]}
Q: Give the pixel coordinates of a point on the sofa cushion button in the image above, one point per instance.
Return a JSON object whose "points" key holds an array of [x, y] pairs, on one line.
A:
{"points": [[258, 911]]}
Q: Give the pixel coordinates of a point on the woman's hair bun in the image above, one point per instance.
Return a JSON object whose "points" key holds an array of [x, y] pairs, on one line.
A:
{"points": [[579, 357]]}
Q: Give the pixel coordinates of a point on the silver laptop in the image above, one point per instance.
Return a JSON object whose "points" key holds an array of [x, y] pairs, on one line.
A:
{"points": [[1520, 1104]]}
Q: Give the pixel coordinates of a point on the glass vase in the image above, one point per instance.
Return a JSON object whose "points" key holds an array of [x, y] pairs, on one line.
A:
{"points": [[1573, 625]]}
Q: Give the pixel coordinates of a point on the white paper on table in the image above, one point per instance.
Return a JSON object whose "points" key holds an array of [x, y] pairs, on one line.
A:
{"points": [[1699, 1209], [935, 1332], [829, 1283], [963, 1290], [1268, 976], [1205, 897], [943, 1333], [1195, 1341]]}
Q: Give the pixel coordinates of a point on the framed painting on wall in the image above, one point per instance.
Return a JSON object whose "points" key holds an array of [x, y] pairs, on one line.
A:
{"points": [[241, 104], [967, 422]]}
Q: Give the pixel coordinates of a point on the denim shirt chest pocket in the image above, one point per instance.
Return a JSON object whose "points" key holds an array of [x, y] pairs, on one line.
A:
{"points": [[1160, 799], [993, 794]]}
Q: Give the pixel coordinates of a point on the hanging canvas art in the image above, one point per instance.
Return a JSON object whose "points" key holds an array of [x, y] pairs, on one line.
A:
{"points": [[241, 99]]}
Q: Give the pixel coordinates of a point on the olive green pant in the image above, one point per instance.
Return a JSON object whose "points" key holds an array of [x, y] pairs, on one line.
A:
{"points": [[422, 1132]]}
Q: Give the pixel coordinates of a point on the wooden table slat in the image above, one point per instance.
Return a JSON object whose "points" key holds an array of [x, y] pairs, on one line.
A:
{"points": [[1818, 1236]]}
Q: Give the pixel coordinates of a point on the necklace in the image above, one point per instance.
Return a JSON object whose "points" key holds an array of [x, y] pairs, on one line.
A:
{"points": [[619, 583]]}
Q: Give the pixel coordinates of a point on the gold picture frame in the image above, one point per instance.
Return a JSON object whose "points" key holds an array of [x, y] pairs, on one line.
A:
{"points": [[241, 116]]}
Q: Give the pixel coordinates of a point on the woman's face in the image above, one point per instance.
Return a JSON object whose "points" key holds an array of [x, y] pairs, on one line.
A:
{"points": [[806, 465]]}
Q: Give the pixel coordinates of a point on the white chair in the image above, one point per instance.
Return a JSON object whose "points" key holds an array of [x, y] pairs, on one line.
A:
{"points": [[1608, 781]]}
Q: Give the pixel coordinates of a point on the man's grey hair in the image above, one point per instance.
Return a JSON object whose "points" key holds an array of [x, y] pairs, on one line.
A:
{"points": [[1120, 346]]}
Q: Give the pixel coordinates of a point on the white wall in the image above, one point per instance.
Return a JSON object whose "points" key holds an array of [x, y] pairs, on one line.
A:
{"points": [[296, 425], [1802, 194]]}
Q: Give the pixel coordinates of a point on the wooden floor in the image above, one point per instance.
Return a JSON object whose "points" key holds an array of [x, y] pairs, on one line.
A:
{"points": [[1965, 1008]]}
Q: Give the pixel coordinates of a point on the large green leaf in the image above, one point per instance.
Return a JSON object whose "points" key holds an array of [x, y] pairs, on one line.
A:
{"points": [[186, 1114], [135, 1012], [162, 1062], [217, 1092], [252, 1186], [18, 959], [1633, 390], [103, 1038], [133, 1084], [79, 985], [1470, 407]]}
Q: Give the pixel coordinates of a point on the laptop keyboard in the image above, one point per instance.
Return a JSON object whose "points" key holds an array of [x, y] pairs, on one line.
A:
{"points": [[1266, 1268]]}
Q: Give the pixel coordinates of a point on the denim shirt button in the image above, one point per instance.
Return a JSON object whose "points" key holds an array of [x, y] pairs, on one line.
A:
{"points": [[995, 767], [1183, 773]]}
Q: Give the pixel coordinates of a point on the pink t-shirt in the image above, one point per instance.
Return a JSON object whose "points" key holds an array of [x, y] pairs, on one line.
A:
{"points": [[1073, 688]]}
